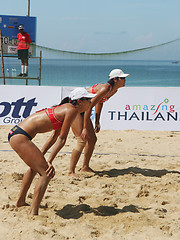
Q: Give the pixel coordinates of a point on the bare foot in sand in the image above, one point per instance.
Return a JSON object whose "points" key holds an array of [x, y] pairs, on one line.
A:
{"points": [[87, 169], [73, 175], [21, 204], [32, 214]]}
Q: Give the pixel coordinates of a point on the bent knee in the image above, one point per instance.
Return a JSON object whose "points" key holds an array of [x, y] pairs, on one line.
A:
{"points": [[80, 144], [92, 140], [43, 173], [45, 176]]}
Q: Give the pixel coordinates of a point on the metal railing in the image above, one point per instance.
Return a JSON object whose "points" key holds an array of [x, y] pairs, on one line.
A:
{"points": [[26, 78]]}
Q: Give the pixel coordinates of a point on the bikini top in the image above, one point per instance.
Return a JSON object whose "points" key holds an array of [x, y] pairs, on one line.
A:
{"points": [[55, 122], [104, 99]]}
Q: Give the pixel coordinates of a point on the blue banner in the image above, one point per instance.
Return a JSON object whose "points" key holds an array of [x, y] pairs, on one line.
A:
{"points": [[9, 29]]}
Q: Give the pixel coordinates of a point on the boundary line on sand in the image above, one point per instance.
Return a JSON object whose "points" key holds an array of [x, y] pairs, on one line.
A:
{"points": [[140, 154]]}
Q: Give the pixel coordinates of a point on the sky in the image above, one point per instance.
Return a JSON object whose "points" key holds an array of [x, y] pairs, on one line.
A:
{"points": [[98, 26]]}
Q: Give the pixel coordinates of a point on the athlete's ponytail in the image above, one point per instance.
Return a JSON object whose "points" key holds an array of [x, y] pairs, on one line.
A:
{"points": [[64, 100], [67, 100], [111, 82], [73, 102]]}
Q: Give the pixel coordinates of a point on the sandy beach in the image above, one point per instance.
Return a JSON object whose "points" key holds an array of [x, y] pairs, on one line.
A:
{"points": [[134, 194]]}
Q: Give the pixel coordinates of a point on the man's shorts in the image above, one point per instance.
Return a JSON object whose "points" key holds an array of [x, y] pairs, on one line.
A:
{"points": [[23, 54]]}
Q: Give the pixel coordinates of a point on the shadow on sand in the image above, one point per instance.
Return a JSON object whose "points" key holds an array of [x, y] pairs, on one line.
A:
{"points": [[135, 170], [72, 211]]}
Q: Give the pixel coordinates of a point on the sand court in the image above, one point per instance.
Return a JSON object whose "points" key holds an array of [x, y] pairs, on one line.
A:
{"points": [[134, 193]]}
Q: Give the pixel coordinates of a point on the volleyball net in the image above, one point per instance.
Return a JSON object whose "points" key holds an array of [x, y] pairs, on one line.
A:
{"points": [[164, 51], [67, 68]]}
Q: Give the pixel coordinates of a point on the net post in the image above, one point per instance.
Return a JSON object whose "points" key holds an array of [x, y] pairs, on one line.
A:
{"points": [[2, 59], [40, 68]]}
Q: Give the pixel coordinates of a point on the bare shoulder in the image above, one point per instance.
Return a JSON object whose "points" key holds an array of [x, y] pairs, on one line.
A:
{"points": [[66, 109], [103, 87], [70, 109]]}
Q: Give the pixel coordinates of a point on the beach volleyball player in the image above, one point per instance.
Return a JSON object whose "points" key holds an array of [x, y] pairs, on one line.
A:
{"points": [[82, 126], [58, 118]]}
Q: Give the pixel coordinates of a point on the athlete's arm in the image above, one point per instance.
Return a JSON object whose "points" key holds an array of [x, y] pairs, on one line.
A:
{"points": [[99, 95], [99, 106], [69, 117], [52, 139]]}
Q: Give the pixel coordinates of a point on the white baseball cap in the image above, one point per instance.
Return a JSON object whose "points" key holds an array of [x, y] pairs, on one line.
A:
{"points": [[117, 73], [78, 93]]}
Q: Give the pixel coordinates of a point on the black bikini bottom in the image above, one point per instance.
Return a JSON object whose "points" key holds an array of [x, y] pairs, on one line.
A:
{"points": [[17, 130]]}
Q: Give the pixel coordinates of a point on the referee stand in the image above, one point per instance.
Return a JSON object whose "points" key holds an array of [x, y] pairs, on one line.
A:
{"points": [[4, 77]]}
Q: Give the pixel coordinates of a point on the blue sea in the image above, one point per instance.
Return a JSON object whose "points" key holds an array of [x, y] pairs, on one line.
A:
{"points": [[88, 72]]}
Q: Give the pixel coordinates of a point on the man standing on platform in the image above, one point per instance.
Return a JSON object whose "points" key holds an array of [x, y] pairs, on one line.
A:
{"points": [[23, 47]]}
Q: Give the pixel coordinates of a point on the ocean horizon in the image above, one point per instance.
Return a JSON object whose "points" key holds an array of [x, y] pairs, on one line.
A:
{"points": [[82, 73]]}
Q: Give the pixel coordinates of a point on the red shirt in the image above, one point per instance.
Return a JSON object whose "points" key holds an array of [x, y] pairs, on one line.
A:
{"points": [[23, 40]]}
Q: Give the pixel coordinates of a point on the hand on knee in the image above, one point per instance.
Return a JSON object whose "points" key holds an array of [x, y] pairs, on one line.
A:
{"points": [[50, 171]]}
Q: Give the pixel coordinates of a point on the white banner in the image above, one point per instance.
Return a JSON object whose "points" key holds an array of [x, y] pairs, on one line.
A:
{"points": [[142, 108], [18, 102]]}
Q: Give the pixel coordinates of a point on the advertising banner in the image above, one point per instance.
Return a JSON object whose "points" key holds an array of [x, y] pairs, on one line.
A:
{"points": [[143, 108], [18, 102], [140, 108]]}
